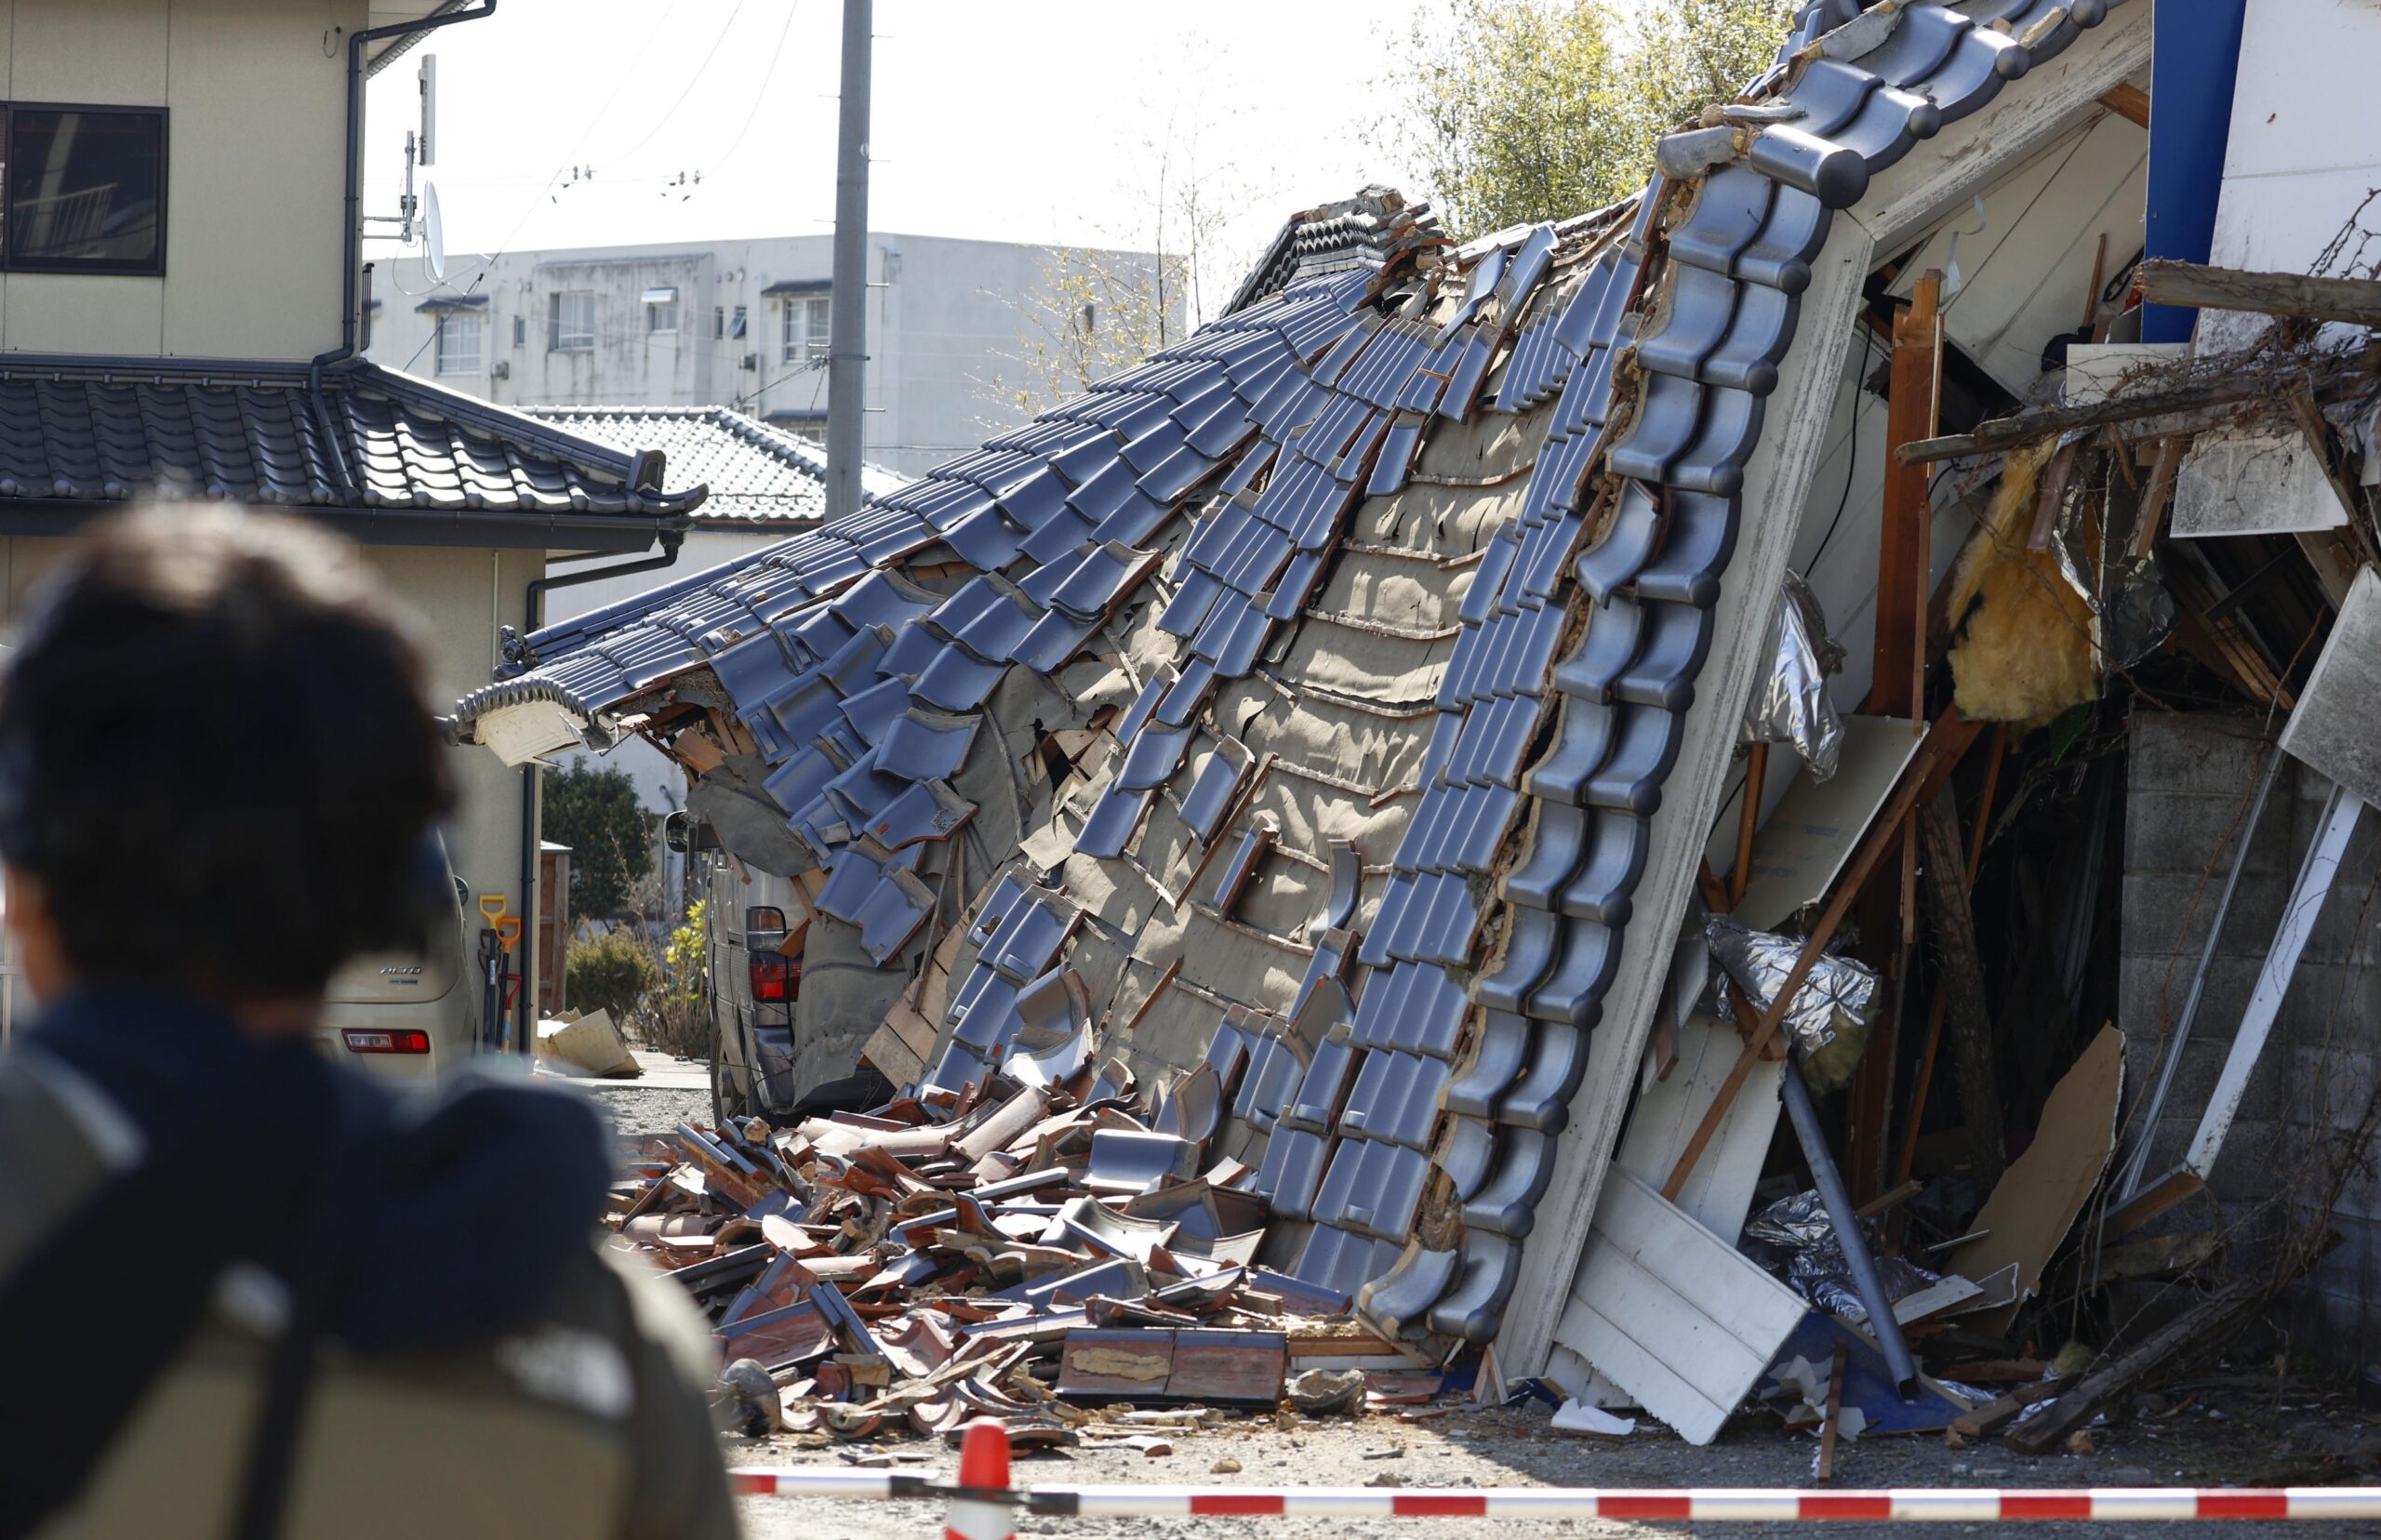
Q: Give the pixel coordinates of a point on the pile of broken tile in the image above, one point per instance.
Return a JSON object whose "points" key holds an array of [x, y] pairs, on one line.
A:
{"points": [[1028, 1257]]}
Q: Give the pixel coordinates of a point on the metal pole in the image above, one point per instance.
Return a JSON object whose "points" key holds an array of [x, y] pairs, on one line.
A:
{"points": [[847, 314], [1846, 1221]]}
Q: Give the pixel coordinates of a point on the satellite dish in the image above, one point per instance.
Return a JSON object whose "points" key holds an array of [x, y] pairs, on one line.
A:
{"points": [[433, 236]]}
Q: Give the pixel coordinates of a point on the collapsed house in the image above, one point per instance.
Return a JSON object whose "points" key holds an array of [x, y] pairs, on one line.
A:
{"points": [[1346, 817]]}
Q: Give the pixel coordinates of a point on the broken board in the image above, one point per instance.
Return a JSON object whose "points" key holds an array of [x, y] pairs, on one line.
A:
{"points": [[2036, 1202], [1815, 829], [1719, 1193], [2235, 482], [2332, 729], [1673, 1314]]}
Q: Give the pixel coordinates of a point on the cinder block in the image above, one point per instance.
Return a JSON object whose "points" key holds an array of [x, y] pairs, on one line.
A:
{"points": [[2170, 913], [2328, 1088], [2246, 1170], [2200, 750], [2151, 990], [2195, 832]]}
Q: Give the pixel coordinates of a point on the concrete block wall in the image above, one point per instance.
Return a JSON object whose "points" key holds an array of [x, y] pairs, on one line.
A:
{"points": [[2191, 780]]}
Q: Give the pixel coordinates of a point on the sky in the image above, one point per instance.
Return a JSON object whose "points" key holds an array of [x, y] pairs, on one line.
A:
{"points": [[573, 121]]}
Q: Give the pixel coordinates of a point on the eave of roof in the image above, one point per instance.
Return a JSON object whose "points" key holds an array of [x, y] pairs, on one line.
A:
{"points": [[93, 429]]}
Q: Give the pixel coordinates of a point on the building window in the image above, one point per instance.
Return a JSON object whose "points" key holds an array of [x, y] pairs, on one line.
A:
{"points": [[661, 309], [520, 331], [86, 190], [718, 321], [736, 328], [570, 315], [458, 343], [805, 330]]}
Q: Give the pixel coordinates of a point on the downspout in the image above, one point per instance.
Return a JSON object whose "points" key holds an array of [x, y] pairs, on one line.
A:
{"points": [[351, 244], [533, 613]]}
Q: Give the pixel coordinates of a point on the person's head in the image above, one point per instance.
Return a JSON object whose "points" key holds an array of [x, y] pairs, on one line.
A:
{"points": [[218, 774]]}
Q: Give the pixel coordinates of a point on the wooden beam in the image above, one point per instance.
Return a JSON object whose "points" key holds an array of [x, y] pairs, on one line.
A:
{"points": [[2328, 379], [1749, 815], [2128, 102], [2297, 295], [1926, 771], [2204, 1323], [1913, 403], [2151, 516], [2150, 1202], [1826, 1471]]}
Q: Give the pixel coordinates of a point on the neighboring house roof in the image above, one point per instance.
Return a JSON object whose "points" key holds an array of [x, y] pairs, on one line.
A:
{"points": [[757, 475], [374, 444], [1398, 592]]}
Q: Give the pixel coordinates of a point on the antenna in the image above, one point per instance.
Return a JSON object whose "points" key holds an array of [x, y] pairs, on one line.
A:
{"points": [[428, 76], [433, 236]]}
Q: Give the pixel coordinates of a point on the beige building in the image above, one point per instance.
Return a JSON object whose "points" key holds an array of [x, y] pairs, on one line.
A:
{"points": [[956, 328], [178, 314]]}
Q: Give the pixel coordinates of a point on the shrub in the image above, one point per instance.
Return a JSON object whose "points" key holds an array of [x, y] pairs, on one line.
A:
{"points": [[677, 1019], [612, 971]]}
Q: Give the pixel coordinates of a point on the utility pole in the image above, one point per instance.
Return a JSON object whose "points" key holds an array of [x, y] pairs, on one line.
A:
{"points": [[847, 313]]}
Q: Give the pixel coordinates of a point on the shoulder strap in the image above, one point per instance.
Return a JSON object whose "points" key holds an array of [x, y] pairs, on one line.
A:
{"points": [[275, 1127], [274, 1440]]}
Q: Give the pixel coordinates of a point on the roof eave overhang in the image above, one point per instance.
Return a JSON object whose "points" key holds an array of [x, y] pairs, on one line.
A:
{"points": [[597, 534]]}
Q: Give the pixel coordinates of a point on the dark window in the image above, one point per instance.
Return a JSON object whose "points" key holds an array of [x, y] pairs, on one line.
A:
{"points": [[86, 190]]}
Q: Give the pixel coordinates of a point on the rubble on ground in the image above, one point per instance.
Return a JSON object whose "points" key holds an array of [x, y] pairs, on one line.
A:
{"points": [[1018, 1255]]}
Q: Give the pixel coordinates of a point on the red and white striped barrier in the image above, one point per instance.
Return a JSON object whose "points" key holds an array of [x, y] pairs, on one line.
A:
{"points": [[980, 1500]]}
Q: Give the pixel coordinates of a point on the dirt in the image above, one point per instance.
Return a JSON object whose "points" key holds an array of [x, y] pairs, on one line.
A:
{"points": [[2228, 1440]]}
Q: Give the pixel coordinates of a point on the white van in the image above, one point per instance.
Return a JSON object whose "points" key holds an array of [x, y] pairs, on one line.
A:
{"points": [[408, 1019], [749, 986]]}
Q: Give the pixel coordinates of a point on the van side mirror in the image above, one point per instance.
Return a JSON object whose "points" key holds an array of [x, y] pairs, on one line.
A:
{"points": [[677, 831]]}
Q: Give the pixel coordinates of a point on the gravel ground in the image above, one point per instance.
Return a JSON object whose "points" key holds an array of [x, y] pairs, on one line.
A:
{"points": [[637, 1109], [2243, 1440]]}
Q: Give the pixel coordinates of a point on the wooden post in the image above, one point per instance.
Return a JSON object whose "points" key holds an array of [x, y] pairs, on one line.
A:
{"points": [[1826, 1471], [1913, 401], [1756, 772], [1897, 687]]}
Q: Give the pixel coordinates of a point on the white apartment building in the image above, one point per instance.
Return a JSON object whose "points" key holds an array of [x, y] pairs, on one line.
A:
{"points": [[952, 325]]}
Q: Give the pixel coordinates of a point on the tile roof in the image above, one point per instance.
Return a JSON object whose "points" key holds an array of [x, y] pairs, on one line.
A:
{"points": [[1404, 1105], [79, 430], [756, 475]]}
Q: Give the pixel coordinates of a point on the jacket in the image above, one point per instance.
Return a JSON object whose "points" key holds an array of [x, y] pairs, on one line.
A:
{"points": [[481, 1365]]}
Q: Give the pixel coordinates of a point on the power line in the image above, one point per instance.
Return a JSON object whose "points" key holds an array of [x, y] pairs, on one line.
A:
{"points": [[692, 81], [760, 93]]}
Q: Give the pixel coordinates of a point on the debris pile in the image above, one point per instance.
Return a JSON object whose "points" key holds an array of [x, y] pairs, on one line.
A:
{"points": [[1029, 1256]]}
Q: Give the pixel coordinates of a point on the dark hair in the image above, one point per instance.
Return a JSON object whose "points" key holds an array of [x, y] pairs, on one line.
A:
{"points": [[215, 755]]}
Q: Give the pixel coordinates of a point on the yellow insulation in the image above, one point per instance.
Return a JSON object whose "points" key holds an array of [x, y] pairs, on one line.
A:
{"points": [[2021, 637]]}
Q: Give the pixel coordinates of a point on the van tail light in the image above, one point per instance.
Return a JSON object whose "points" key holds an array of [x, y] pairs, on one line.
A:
{"points": [[775, 977], [405, 1041]]}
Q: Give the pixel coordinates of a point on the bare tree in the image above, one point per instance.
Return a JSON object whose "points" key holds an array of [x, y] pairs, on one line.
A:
{"points": [[1097, 310]]}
